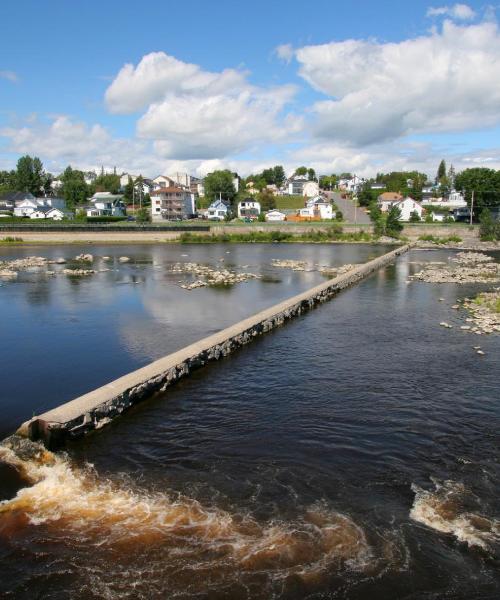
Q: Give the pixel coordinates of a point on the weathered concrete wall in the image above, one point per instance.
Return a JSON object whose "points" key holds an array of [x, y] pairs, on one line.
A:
{"points": [[466, 232], [97, 408]]}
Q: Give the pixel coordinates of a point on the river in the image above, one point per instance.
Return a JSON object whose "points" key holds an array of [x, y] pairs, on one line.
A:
{"points": [[352, 453]]}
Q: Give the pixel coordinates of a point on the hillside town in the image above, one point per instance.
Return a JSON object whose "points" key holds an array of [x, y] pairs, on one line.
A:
{"points": [[270, 196]]}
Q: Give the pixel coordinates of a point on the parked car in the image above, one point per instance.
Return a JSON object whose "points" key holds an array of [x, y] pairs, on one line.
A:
{"points": [[461, 214]]}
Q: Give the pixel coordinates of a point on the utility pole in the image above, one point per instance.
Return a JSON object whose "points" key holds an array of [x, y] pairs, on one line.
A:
{"points": [[471, 207], [355, 198]]}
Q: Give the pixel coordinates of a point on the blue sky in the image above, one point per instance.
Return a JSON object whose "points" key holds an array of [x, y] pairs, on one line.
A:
{"points": [[358, 86]]}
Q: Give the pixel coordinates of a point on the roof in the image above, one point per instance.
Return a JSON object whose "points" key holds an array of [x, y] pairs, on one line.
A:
{"points": [[410, 199], [13, 196], [390, 197], [168, 190], [217, 204]]}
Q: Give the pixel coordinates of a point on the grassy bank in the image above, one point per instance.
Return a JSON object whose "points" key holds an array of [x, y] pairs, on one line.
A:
{"points": [[332, 235]]}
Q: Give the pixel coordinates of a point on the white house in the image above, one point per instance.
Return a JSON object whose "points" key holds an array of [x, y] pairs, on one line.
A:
{"points": [[456, 200], [317, 208], [172, 203], [217, 211], [351, 185], [47, 212], [407, 206], [106, 204], [24, 208], [248, 209], [275, 215], [296, 184], [310, 189], [386, 200]]}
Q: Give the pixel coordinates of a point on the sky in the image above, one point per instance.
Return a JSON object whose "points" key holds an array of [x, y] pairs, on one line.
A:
{"points": [[158, 86]]}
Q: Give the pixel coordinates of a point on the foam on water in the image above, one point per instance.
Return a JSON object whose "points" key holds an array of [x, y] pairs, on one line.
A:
{"points": [[77, 501], [445, 509]]}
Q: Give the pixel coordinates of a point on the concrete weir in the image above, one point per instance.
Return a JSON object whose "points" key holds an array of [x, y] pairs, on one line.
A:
{"points": [[97, 408]]}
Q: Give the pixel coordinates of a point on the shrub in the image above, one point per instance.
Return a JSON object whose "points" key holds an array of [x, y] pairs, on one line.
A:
{"points": [[489, 230]]}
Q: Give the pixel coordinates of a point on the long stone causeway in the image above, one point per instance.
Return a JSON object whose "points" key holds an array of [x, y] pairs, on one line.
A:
{"points": [[97, 408]]}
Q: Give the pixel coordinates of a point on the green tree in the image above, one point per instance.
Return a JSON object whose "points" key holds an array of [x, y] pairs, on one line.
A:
{"points": [[74, 189], [414, 217], [311, 174], [267, 200], [143, 215], [484, 182], [128, 191], [219, 184], [393, 225], [441, 172], [107, 182], [366, 195], [301, 171], [8, 181], [489, 229], [30, 175], [279, 175]]}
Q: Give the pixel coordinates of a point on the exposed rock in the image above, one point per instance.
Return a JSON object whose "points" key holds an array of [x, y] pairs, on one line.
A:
{"points": [[471, 267], [78, 272], [21, 264], [60, 261], [485, 312], [295, 265], [106, 258], [124, 259], [211, 276], [8, 274], [85, 257]]}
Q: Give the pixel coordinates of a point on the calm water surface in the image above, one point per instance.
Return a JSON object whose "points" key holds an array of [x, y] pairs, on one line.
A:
{"points": [[350, 454]]}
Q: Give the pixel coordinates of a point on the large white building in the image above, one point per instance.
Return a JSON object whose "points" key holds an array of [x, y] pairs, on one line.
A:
{"points": [[172, 203]]}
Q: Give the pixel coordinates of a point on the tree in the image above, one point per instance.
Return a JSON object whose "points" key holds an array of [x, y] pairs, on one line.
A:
{"points": [[143, 215], [267, 200], [279, 175], [128, 191], [441, 172], [311, 174], [8, 181], [74, 189], [219, 184], [366, 195], [484, 182], [414, 217], [393, 225], [489, 229], [30, 175], [107, 182], [301, 171]]}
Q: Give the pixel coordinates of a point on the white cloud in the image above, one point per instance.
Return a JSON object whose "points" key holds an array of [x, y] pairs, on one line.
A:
{"points": [[191, 113], [218, 125], [63, 141], [461, 12], [285, 52], [445, 81], [158, 75], [9, 75]]}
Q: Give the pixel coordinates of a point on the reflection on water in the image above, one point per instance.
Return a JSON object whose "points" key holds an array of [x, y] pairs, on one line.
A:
{"points": [[351, 454], [77, 333]]}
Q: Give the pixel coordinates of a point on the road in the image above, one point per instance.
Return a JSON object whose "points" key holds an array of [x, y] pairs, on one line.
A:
{"points": [[347, 208]]}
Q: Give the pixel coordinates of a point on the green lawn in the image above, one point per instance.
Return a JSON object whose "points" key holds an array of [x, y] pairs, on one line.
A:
{"points": [[290, 202]]}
